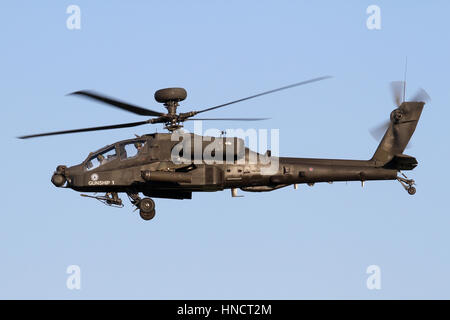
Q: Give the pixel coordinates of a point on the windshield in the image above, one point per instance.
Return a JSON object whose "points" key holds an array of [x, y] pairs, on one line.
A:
{"points": [[101, 158]]}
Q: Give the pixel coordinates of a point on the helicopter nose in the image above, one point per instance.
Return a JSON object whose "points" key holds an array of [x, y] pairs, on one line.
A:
{"points": [[58, 178]]}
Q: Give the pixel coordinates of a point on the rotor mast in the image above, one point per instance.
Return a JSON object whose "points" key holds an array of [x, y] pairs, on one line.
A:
{"points": [[170, 98]]}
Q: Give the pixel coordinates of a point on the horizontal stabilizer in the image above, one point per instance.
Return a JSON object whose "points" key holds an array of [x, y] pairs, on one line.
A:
{"points": [[402, 162]]}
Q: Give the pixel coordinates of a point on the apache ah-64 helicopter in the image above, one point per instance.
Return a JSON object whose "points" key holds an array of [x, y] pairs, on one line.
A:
{"points": [[146, 165]]}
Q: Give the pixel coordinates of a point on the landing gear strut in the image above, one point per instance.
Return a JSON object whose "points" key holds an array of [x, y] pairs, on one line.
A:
{"points": [[407, 184], [146, 206]]}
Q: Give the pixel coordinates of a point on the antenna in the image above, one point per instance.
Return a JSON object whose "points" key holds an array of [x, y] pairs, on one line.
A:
{"points": [[404, 81]]}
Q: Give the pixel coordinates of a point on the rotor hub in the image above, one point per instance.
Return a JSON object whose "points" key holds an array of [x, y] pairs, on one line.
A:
{"points": [[171, 97]]}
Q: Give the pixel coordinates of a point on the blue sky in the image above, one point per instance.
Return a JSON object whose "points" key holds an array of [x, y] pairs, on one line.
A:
{"points": [[307, 243]]}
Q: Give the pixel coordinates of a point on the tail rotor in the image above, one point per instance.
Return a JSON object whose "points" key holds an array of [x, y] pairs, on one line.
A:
{"points": [[397, 91]]}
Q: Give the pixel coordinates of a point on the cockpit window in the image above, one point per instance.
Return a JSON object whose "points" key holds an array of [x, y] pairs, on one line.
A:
{"points": [[131, 149], [101, 158]]}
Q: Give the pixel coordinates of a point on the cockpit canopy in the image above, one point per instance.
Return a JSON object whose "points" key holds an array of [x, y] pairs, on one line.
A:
{"points": [[122, 151]]}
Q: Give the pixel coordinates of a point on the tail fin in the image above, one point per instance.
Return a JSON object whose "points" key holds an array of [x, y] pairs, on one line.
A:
{"points": [[403, 123]]}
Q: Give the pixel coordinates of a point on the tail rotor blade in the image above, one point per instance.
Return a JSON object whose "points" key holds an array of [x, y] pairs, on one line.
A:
{"points": [[421, 96], [379, 131], [397, 88]]}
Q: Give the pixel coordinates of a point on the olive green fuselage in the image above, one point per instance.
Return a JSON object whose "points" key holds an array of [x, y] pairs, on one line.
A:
{"points": [[154, 172]]}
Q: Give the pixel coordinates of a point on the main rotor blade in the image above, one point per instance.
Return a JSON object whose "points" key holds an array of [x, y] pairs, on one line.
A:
{"points": [[264, 93], [115, 126], [117, 103], [229, 119], [397, 88], [378, 131]]}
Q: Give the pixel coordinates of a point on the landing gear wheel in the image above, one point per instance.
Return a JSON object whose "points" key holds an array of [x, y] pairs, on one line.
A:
{"points": [[147, 215], [412, 190], [147, 205], [147, 209]]}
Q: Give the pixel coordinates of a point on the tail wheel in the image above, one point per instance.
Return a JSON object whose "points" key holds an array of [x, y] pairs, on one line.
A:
{"points": [[412, 190], [147, 209]]}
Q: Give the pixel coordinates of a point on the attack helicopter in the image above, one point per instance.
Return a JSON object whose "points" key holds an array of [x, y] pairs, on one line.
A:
{"points": [[156, 166]]}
